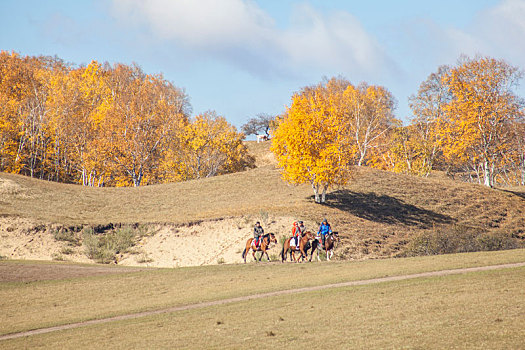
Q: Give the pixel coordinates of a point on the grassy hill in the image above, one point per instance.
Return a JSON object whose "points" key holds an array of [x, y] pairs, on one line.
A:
{"points": [[377, 213]]}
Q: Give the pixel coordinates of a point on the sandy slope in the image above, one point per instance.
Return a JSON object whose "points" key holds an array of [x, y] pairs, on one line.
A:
{"points": [[210, 242], [25, 239], [205, 243]]}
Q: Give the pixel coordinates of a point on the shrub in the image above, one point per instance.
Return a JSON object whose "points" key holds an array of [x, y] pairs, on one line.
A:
{"points": [[67, 251], [65, 235], [57, 257], [498, 241], [458, 239], [104, 248]]}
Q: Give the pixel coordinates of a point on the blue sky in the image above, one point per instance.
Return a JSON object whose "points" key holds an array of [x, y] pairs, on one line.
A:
{"points": [[244, 57]]}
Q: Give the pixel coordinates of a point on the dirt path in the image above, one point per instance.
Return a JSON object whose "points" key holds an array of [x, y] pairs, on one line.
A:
{"points": [[259, 296]]}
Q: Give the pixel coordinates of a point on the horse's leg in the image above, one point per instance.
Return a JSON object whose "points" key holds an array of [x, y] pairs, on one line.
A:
{"points": [[301, 250], [284, 252], [314, 246], [264, 251], [267, 256]]}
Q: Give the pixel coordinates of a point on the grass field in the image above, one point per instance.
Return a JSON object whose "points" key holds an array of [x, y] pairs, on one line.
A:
{"points": [[474, 310]]}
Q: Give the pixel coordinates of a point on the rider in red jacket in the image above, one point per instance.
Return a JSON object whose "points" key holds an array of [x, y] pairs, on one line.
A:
{"points": [[297, 232]]}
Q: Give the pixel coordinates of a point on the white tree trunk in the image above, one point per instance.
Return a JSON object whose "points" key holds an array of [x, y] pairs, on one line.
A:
{"points": [[316, 193]]}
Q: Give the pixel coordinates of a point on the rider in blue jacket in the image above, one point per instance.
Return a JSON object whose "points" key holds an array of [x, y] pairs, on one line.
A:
{"points": [[324, 229]]}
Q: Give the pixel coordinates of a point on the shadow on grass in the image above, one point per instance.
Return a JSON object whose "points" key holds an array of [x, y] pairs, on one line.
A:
{"points": [[384, 209], [516, 193]]}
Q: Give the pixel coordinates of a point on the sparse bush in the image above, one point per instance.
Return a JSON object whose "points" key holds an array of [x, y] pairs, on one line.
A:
{"points": [[498, 241], [67, 251], [57, 257], [221, 261], [2, 257], [121, 240], [458, 239], [104, 248], [72, 238], [142, 230]]}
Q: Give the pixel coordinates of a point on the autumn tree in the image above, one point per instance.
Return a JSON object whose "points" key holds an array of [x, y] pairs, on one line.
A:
{"points": [[24, 126], [78, 103], [210, 146], [477, 128], [308, 142], [146, 112], [428, 108], [369, 113]]}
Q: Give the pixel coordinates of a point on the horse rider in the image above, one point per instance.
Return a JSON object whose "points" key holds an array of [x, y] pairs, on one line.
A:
{"points": [[297, 232], [302, 228], [324, 229], [258, 232]]}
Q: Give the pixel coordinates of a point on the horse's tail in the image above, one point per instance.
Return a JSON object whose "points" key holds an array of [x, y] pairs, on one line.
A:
{"points": [[244, 253]]}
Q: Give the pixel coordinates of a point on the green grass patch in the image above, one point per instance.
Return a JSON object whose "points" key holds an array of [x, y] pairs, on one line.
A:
{"points": [[103, 248]]}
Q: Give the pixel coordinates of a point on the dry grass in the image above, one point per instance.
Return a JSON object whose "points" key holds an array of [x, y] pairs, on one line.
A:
{"points": [[66, 299], [376, 214], [476, 310]]}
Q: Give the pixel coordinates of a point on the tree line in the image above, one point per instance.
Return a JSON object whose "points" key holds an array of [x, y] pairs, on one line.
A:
{"points": [[467, 120], [107, 125]]}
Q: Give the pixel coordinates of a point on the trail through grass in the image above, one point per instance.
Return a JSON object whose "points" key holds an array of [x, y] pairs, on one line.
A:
{"points": [[42, 304], [475, 310]]}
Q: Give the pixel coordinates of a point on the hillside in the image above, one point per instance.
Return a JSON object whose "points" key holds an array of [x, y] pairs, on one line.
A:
{"points": [[377, 214]]}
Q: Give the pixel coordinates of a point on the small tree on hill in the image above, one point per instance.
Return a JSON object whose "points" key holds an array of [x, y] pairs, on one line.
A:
{"points": [[260, 124]]}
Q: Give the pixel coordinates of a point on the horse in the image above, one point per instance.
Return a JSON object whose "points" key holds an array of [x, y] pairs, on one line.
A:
{"points": [[263, 246], [304, 243], [329, 245]]}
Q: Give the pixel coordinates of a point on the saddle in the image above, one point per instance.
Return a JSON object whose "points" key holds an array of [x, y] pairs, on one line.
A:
{"points": [[292, 244], [255, 247]]}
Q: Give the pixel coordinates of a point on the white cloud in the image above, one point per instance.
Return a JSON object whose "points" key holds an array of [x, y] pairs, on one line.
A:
{"points": [[202, 23], [503, 28], [241, 33]]}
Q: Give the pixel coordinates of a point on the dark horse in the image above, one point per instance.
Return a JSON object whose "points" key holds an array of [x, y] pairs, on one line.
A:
{"points": [[263, 246], [304, 245], [329, 245]]}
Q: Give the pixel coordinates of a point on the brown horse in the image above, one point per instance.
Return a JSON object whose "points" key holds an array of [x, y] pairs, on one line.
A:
{"points": [[303, 247], [263, 246], [329, 245]]}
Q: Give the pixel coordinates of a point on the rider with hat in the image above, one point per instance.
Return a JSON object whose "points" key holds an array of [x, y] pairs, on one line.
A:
{"points": [[258, 231], [297, 231]]}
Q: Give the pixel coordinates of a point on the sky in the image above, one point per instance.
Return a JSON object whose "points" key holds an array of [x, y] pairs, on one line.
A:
{"points": [[241, 58]]}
